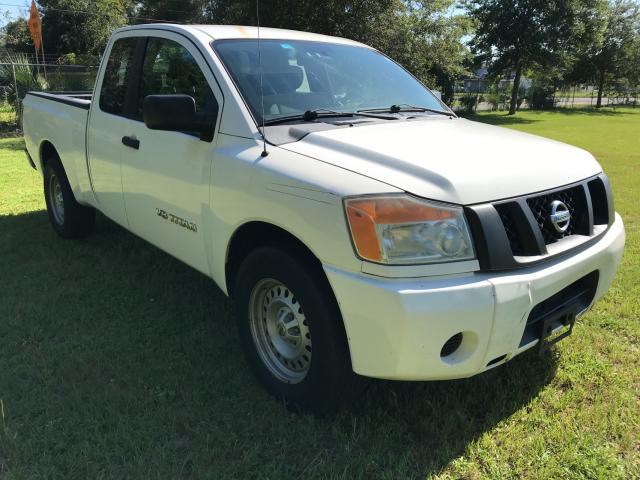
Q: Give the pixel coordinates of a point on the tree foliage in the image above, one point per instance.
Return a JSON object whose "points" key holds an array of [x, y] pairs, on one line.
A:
{"points": [[182, 11], [612, 51], [81, 26], [514, 35], [16, 36], [426, 39]]}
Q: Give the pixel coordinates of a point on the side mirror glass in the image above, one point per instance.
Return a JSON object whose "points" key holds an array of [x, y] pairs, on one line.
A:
{"points": [[177, 113]]}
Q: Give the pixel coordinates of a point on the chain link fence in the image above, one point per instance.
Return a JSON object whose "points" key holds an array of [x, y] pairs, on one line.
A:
{"points": [[17, 77]]}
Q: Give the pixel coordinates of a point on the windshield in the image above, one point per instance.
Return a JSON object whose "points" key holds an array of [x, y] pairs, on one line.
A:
{"points": [[302, 75]]}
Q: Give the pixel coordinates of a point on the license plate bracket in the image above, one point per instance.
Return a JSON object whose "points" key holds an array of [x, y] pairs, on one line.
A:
{"points": [[557, 325]]}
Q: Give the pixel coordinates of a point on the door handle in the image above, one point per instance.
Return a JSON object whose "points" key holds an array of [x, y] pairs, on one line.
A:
{"points": [[131, 142]]}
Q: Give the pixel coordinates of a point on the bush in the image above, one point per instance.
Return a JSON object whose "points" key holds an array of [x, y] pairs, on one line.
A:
{"points": [[469, 102], [494, 100], [64, 80], [540, 97], [80, 59], [26, 77]]}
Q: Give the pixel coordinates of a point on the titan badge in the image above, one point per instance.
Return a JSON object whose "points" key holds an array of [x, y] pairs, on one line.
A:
{"points": [[181, 222]]}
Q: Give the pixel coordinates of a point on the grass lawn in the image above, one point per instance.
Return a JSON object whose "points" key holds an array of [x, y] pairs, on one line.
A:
{"points": [[117, 361], [8, 117]]}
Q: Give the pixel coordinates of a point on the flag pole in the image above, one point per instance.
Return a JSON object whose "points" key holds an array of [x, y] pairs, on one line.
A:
{"points": [[37, 59], [44, 61]]}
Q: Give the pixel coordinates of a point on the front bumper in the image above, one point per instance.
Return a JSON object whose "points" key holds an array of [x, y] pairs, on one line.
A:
{"points": [[396, 328]]}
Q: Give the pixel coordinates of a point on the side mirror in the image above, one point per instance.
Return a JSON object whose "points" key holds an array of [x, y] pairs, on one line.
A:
{"points": [[177, 113]]}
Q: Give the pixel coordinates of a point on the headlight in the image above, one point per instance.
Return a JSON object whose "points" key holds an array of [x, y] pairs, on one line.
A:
{"points": [[399, 229]]}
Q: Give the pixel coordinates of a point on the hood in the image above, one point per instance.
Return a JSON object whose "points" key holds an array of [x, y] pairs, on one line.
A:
{"points": [[451, 160]]}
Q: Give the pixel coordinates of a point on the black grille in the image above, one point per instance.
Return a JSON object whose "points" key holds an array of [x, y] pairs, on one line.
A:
{"points": [[573, 198], [517, 232], [602, 207], [527, 221], [512, 231]]}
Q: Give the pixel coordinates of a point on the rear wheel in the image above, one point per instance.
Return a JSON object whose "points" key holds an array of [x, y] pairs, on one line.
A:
{"points": [[291, 331], [68, 218]]}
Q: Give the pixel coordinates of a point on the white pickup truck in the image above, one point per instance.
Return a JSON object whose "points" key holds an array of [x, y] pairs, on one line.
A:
{"points": [[361, 228]]}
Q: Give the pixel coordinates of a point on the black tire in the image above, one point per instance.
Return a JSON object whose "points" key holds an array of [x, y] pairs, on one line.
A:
{"points": [[76, 221], [329, 382]]}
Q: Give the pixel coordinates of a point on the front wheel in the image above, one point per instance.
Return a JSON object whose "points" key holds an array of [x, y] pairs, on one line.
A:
{"points": [[291, 331], [68, 218]]}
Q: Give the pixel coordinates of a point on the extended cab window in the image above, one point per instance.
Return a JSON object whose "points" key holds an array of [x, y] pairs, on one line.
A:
{"points": [[116, 76], [169, 68]]}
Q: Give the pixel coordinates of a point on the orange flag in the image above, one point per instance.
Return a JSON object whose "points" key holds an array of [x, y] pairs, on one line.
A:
{"points": [[35, 25]]}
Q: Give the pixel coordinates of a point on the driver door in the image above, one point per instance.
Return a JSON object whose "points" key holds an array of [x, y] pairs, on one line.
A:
{"points": [[166, 178]]}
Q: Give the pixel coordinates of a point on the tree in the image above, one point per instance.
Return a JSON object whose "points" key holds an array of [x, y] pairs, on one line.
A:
{"points": [[183, 11], [81, 26], [613, 50], [364, 20], [16, 36], [513, 35], [426, 39]]}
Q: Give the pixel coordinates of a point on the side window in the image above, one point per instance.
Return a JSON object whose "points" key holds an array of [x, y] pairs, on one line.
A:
{"points": [[116, 76], [169, 68]]}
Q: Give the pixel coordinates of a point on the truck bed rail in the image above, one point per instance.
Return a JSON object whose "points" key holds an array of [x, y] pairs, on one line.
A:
{"points": [[74, 99]]}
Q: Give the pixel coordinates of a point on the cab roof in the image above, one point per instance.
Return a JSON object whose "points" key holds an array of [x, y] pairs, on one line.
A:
{"points": [[223, 32]]}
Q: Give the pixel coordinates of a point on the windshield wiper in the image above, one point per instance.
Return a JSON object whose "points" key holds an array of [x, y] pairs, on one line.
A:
{"points": [[311, 115], [405, 107]]}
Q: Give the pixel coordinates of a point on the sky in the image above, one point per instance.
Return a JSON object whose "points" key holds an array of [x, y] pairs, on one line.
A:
{"points": [[12, 9]]}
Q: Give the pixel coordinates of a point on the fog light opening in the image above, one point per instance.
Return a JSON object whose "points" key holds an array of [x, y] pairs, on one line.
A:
{"points": [[451, 345]]}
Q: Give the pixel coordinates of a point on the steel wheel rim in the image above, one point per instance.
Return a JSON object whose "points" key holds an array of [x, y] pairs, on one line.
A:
{"points": [[280, 331], [56, 199]]}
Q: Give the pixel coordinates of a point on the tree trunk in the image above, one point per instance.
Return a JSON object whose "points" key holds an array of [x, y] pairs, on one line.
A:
{"points": [[514, 91], [600, 88]]}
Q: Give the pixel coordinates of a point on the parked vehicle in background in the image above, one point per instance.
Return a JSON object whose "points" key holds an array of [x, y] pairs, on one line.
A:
{"points": [[373, 234]]}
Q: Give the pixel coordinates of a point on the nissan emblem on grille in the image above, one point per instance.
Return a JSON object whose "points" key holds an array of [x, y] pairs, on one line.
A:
{"points": [[560, 216]]}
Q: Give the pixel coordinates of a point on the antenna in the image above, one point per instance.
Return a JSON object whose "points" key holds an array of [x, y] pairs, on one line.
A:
{"points": [[264, 137]]}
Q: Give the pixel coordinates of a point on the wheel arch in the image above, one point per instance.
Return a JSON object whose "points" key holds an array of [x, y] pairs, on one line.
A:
{"points": [[254, 234], [46, 152]]}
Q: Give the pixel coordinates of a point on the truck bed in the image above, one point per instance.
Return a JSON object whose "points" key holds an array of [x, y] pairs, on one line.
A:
{"points": [[60, 119]]}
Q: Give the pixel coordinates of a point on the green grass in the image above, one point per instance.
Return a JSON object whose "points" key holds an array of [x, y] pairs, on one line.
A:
{"points": [[117, 361], [8, 118]]}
